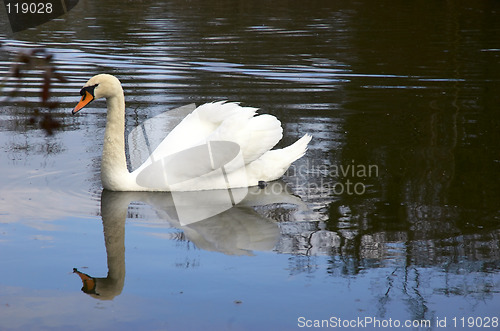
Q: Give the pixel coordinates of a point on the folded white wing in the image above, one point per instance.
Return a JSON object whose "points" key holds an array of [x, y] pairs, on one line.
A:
{"points": [[199, 138]]}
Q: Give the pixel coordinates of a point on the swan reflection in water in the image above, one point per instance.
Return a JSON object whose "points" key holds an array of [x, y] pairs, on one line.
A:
{"points": [[236, 231]]}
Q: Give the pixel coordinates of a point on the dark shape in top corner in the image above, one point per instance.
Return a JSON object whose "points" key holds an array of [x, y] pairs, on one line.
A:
{"points": [[27, 15]]}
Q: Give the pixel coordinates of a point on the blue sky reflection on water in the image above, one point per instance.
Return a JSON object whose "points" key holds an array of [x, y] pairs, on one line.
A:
{"points": [[421, 242], [218, 288]]}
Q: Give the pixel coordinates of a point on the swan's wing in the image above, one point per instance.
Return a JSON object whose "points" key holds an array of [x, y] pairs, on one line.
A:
{"points": [[187, 151], [254, 134], [146, 137], [199, 126], [188, 169], [262, 133]]}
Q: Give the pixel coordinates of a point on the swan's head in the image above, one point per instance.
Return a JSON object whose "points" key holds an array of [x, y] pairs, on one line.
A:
{"points": [[99, 86]]}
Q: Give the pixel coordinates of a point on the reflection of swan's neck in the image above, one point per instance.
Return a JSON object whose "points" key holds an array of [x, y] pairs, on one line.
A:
{"points": [[114, 164], [114, 209], [113, 221], [114, 212]]}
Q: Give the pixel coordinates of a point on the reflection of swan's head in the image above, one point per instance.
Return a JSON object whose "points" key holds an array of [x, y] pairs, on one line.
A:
{"points": [[102, 288], [99, 86]]}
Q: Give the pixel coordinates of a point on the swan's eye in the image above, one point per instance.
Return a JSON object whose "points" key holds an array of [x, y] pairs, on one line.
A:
{"points": [[89, 89]]}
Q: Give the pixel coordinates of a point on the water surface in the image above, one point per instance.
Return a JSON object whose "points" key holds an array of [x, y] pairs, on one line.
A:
{"points": [[392, 214]]}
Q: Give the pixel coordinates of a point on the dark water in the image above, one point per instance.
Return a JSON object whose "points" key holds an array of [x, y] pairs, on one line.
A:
{"points": [[399, 213]]}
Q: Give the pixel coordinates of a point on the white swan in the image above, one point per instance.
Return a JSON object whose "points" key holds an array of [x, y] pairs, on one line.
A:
{"points": [[219, 145]]}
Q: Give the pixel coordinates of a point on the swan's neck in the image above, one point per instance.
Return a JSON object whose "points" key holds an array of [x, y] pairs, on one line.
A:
{"points": [[114, 172]]}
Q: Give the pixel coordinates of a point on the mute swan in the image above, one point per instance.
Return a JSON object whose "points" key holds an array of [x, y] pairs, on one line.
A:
{"points": [[219, 145]]}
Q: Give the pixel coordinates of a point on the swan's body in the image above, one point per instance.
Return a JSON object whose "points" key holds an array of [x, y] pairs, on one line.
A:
{"points": [[211, 122]]}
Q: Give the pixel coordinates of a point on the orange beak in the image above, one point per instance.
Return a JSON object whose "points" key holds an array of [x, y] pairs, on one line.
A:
{"points": [[89, 283], [85, 100]]}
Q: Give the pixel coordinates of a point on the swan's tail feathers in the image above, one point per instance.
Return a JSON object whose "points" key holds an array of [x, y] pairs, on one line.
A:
{"points": [[273, 164], [296, 150]]}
